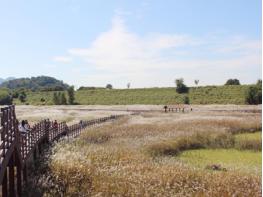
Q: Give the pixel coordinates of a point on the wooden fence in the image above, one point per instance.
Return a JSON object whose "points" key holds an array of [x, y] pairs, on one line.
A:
{"points": [[177, 108], [16, 149]]}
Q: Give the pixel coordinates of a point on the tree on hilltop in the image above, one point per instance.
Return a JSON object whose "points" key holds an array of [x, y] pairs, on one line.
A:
{"points": [[180, 86], [232, 82], [71, 95], [109, 86]]}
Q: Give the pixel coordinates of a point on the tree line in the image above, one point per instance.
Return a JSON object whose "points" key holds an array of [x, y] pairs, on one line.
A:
{"points": [[59, 98], [253, 94]]}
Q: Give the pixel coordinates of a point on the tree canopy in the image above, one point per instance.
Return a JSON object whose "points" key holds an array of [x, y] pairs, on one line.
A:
{"points": [[41, 83], [180, 86], [5, 97], [232, 82]]}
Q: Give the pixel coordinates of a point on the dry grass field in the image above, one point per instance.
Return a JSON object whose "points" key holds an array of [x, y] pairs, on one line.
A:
{"points": [[213, 151]]}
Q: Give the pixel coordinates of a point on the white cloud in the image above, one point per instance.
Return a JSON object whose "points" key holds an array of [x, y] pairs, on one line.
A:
{"points": [[62, 59], [156, 55]]}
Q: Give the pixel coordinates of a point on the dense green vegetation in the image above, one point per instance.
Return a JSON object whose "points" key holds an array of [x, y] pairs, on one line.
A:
{"points": [[180, 86], [230, 94], [41, 83], [232, 82], [5, 97], [254, 94]]}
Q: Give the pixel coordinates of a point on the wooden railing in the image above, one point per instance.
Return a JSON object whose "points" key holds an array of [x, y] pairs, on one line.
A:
{"points": [[16, 149], [177, 108]]}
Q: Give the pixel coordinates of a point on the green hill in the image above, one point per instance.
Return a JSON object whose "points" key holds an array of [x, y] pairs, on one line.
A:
{"points": [[232, 94], [41, 83]]}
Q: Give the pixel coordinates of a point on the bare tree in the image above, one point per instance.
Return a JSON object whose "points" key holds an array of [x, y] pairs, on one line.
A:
{"points": [[128, 85]]}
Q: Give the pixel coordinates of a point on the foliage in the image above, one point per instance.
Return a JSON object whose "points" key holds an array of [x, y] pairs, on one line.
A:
{"points": [[22, 97], [232, 82], [55, 98], [42, 83], [109, 86], [63, 99], [5, 97], [89, 88], [156, 96], [186, 100], [254, 95], [42, 100], [180, 86], [71, 95], [259, 82], [59, 98]]}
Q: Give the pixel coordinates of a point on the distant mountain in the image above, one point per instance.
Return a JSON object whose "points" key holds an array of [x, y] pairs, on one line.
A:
{"points": [[41, 83], [7, 79]]}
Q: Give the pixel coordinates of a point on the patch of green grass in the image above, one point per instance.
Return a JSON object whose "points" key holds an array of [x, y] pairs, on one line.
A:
{"points": [[231, 159], [197, 95]]}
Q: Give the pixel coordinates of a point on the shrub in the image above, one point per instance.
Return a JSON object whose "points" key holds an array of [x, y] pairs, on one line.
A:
{"points": [[22, 97], [186, 100], [5, 97], [42, 100], [254, 95]]}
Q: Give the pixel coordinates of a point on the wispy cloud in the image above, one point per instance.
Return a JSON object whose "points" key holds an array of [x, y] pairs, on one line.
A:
{"points": [[130, 56]]}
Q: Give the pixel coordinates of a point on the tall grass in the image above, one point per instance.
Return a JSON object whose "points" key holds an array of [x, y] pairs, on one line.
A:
{"points": [[251, 141], [196, 141], [111, 160]]}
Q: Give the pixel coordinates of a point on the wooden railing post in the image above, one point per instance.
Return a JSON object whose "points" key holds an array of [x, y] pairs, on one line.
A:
{"points": [[4, 185], [18, 174], [11, 178]]}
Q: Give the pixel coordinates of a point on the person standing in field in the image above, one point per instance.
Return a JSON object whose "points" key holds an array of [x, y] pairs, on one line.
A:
{"points": [[22, 127], [81, 124], [55, 126], [27, 126]]}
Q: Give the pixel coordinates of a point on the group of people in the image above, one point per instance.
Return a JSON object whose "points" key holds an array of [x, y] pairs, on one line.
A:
{"points": [[24, 127]]}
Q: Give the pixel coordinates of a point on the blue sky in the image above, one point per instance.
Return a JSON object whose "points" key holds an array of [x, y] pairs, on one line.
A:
{"points": [[148, 43]]}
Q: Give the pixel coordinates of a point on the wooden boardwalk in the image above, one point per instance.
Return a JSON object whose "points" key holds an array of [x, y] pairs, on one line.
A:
{"points": [[16, 149]]}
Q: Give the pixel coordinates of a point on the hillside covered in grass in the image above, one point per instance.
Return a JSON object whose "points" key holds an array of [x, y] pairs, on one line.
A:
{"points": [[232, 94]]}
